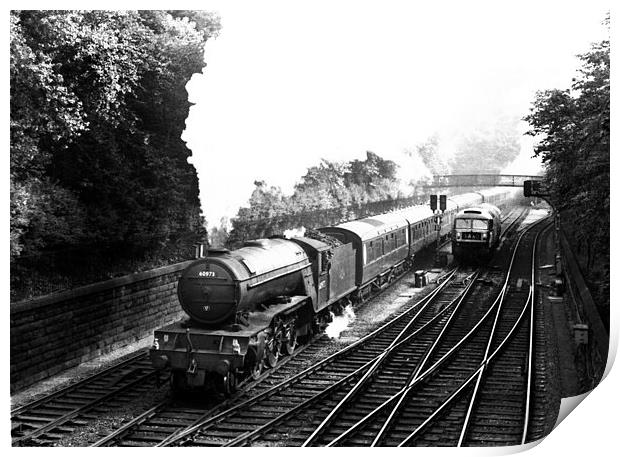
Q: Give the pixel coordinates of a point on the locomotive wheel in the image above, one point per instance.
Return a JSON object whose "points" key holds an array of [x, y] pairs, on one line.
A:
{"points": [[227, 384], [272, 349], [290, 340], [253, 365], [272, 356], [256, 370], [232, 382]]}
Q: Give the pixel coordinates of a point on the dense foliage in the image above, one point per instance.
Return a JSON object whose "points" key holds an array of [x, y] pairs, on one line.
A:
{"points": [[327, 194], [483, 150], [573, 128], [487, 150], [98, 105]]}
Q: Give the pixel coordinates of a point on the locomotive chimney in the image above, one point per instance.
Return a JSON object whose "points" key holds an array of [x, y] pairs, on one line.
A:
{"points": [[199, 251]]}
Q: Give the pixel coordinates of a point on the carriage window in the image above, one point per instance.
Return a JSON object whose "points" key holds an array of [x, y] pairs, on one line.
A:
{"points": [[479, 224], [463, 223]]}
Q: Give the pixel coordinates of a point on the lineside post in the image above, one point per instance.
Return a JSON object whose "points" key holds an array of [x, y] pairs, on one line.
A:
{"points": [[438, 212]]}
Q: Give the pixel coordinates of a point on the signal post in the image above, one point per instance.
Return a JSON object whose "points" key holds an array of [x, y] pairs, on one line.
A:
{"points": [[438, 212]]}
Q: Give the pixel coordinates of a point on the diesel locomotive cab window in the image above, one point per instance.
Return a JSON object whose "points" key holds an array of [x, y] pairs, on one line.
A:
{"points": [[478, 224], [463, 223]]}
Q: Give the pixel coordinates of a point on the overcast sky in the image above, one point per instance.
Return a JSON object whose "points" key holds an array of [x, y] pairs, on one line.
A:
{"points": [[287, 83]]}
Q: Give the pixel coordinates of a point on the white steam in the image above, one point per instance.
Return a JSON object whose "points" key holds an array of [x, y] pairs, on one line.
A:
{"points": [[296, 232], [340, 323]]}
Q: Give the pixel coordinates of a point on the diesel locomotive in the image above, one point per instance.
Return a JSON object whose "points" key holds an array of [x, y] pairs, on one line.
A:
{"points": [[248, 307], [476, 232]]}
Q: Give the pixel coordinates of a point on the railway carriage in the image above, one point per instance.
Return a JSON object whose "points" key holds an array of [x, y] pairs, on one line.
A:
{"points": [[419, 226], [497, 196], [466, 200], [381, 245]]}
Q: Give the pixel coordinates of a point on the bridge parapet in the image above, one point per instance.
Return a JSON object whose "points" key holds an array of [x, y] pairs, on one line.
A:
{"points": [[481, 180]]}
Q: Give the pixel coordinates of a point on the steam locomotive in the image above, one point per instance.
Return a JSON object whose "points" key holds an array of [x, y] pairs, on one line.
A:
{"points": [[250, 306]]}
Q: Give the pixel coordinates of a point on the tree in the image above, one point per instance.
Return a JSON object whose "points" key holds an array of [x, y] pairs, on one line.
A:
{"points": [[98, 105], [573, 129], [432, 159], [487, 150], [367, 173], [328, 193], [322, 186]]}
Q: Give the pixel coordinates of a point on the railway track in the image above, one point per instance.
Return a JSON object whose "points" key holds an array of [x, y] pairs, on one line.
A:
{"points": [[53, 417], [283, 389], [282, 415], [176, 422], [475, 389], [176, 413]]}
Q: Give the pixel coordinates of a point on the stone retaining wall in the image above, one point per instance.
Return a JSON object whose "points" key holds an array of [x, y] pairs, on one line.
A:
{"points": [[59, 331]]}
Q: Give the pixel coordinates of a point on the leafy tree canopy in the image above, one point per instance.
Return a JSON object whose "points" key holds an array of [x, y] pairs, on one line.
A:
{"points": [[487, 150], [573, 129], [99, 172], [328, 193], [98, 105]]}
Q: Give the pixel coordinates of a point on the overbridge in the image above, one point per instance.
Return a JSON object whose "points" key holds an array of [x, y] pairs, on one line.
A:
{"points": [[481, 180]]}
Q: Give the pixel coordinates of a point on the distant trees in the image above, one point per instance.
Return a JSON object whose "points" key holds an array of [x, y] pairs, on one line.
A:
{"points": [[572, 126], [98, 105], [428, 151], [328, 193], [487, 150], [482, 150]]}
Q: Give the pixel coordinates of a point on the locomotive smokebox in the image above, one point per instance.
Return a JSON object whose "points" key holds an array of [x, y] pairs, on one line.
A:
{"points": [[213, 289], [207, 291]]}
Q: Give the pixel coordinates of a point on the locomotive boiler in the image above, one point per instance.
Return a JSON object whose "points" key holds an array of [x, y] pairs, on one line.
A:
{"points": [[213, 289]]}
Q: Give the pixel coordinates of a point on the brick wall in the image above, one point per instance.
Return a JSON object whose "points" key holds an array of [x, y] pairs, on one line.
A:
{"points": [[59, 331]]}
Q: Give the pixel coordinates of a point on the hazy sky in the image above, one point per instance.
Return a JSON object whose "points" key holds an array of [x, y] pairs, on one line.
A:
{"points": [[287, 83]]}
